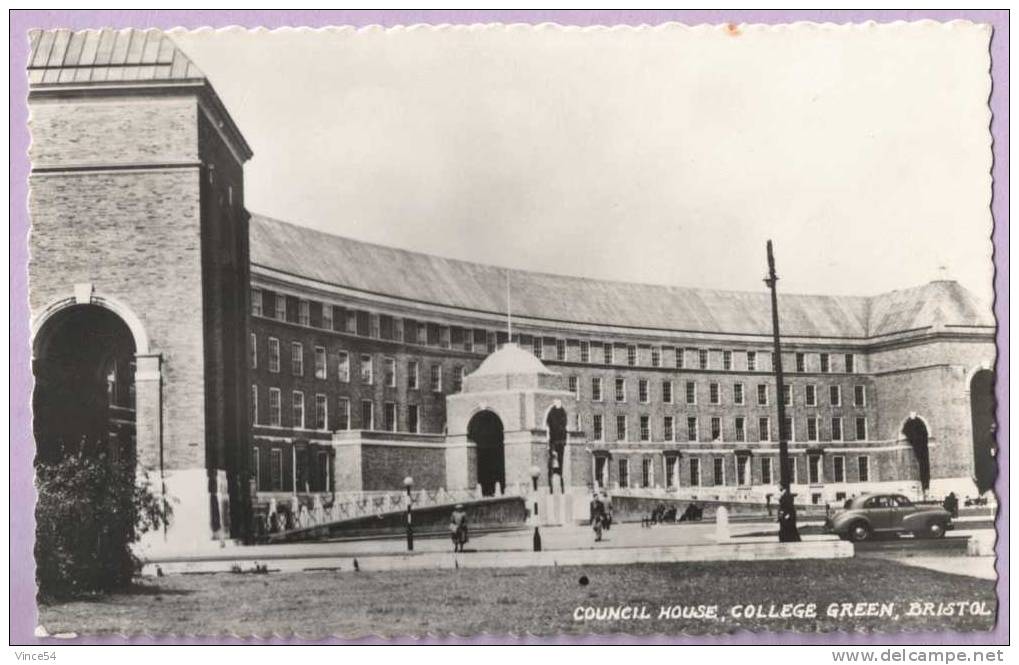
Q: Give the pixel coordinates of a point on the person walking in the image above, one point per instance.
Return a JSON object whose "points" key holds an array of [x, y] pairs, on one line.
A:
{"points": [[458, 528], [598, 516]]}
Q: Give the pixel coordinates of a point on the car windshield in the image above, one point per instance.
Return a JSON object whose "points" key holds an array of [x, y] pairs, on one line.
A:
{"points": [[903, 501]]}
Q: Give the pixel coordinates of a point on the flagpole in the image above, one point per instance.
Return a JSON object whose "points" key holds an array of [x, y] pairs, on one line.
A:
{"points": [[509, 310]]}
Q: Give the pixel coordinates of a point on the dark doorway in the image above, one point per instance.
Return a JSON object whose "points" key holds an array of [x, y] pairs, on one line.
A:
{"points": [[485, 430], [985, 446], [916, 433], [84, 398]]}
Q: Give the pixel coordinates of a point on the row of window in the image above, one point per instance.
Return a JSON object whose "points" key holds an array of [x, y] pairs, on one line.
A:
{"points": [[365, 367], [744, 476], [341, 420], [310, 470], [739, 396], [670, 430], [383, 326]]}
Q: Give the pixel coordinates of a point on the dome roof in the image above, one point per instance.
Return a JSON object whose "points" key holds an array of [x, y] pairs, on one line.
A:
{"points": [[511, 359]]}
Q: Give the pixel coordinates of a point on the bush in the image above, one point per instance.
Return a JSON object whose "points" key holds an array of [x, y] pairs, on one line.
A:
{"points": [[90, 509]]}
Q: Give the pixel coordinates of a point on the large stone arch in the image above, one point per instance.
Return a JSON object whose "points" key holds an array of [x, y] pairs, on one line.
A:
{"points": [[487, 431], [917, 432], [981, 398]]}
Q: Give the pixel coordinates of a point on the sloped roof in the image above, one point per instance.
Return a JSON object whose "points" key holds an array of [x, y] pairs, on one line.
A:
{"points": [[95, 56], [432, 279]]}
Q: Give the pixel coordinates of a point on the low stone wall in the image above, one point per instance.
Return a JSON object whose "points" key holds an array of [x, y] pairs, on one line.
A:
{"points": [[481, 514], [635, 508]]}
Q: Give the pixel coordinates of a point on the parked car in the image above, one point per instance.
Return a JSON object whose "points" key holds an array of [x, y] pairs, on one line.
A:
{"points": [[870, 514]]}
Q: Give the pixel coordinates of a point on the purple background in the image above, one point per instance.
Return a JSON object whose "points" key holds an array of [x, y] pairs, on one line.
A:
{"points": [[22, 492]]}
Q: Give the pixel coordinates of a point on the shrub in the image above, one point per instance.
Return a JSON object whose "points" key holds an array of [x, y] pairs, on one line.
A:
{"points": [[90, 509]]}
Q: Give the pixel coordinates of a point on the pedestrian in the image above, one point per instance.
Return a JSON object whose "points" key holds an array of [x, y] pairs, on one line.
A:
{"points": [[951, 504], [458, 528], [597, 517], [787, 531]]}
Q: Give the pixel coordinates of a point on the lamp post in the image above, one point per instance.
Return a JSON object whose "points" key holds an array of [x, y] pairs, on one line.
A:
{"points": [[789, 532], [408, 483], [535, 473]]}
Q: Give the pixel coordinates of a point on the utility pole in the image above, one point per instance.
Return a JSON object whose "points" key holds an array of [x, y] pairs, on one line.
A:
{"points": [[783, 446]]}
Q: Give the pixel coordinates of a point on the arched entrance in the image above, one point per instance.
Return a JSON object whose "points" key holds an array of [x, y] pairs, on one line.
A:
{"points": [[915, 431], [985, 447], [486, 431], [84, 397]]}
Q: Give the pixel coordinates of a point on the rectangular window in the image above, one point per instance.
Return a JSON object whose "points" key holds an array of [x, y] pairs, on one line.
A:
{"points": [[607, 353], [810, 395], [281, 307], [737, 393], [275, 410], [642, 391], [585, 351], [387, 327], [389, 416], [839, 468], [413, 375], [667, 392], [787, 395], [304, 312], [645, 428], [560, 349], [667, 430], [363, 324], [620, 428], [680, 359], [645, 472], [275, 469], [598, 427], [691, 428], [836, 428], [631, 355], [801, 362], [297, 411], [596, 389], [367, 369], [727, 360], [536, 347], [719, 470], [859, 395], [812, 428], [835, 395], [327, 316], [253, 351], [413, 419], [436, 379], [574, 386], [825, 363], [741, 433], [624, 473], [764, 429], [620, 389], [343, 366], [742, 470], [850, 361], [751, 361], [389, 371], [861, 429], [702, 358], [814, 469], [864, 463], [766, 478], [716, 429], [713, 393], [321, 416], [254, 405], [468, 341], [297, 358], [458, 378], [788, 432], [343, 414], [367, 414], [691, 392], [762, 394], [695, 472], [256, 468], [256, 302], [320, 363], [670, 470], [656, 356], [274, 355]]}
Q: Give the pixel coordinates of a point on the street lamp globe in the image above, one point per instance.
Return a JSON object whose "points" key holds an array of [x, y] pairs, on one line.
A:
{"points": [[408, 482]]}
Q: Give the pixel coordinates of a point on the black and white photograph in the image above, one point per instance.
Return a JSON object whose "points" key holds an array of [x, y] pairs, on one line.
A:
{"points": [[513, 329]]}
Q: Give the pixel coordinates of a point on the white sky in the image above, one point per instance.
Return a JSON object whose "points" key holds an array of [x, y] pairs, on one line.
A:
{"points": [[665, 156]]}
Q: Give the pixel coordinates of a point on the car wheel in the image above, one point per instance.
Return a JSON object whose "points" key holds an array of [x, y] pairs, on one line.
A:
{"points": [[859, 531], [935, 530]]}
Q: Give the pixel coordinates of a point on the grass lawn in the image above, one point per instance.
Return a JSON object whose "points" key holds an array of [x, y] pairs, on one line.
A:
{"points": [[534, 600]]}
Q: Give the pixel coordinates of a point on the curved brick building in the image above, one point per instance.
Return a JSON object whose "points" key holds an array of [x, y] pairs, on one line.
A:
{"points": [[241, 359]]}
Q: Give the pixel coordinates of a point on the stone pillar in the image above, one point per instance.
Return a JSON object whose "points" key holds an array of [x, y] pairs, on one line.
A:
{"points": [[458, 467], [148, 386]]}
